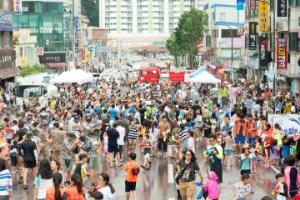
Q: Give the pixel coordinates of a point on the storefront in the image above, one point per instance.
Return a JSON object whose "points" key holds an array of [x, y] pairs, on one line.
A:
{"points": [[8, 68]]}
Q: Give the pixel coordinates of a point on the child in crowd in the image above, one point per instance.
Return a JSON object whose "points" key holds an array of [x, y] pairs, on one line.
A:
{"points": [[280, 190], [275, 153], [81, 167], [146, 145], [211, 186], [228, 150], [254, 158], [13, 155]]}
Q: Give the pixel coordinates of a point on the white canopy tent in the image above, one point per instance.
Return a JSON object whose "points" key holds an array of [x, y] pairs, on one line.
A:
{"points": [[204, 77], [74, 76]]}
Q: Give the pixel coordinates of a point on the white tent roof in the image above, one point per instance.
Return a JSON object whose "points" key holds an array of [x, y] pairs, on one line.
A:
{"points": [[204, 77], [74, 76]]}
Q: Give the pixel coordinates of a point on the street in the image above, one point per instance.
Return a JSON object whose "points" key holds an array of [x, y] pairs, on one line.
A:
{"points": [[159, 182]]}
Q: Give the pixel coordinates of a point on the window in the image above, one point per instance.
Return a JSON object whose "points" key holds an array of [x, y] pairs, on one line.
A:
{"points": [[7, 39], [294, 2], [298, 21], [6, 5], [293, 42], [1, 40], [227, 33]]}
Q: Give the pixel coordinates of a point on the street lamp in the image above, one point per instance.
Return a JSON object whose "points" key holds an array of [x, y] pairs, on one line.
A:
{"points": [[231, 65]]}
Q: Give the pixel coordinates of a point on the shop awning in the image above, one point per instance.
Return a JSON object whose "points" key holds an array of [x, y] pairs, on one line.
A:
{"points": [[57, 65], [7, 27]]}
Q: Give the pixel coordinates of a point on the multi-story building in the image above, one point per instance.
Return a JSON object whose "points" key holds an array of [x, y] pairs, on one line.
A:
{"points": [[273, 54], [8, 68], [224, 43], [51, 23], [142, 21]]}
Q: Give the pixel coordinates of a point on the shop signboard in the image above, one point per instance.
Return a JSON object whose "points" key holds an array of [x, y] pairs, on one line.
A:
{"points": [[7, 58], [263, 50], [252, 36], [57, 57], [282, 57], [263, 16]]}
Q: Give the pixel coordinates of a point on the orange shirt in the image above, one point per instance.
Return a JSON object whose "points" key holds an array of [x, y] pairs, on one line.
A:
{"points": [[251, 128], [51, 192], [72, 194], [128, 169]]}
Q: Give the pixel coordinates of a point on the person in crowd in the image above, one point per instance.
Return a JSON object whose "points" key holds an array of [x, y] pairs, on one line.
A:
{"points": [[105, 187], [56, 191], [77, 189], [30, 157], [132, 169], [291, 176], [5, 181], [242, 189], [43, 180], [187, 169]]}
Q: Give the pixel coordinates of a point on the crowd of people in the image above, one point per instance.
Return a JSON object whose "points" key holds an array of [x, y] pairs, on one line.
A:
{"points": [[62, 143]]}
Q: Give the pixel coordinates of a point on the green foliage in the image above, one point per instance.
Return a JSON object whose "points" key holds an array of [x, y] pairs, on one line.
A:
{"points": [[30, 70], [90, 8], [190, 31]]}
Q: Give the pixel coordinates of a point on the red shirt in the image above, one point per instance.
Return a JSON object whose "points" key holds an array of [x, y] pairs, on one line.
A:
{"points": [[297, 197]]}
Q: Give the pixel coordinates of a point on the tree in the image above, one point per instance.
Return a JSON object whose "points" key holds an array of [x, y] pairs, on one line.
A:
{"points": [[90, 8], [189, 32], [173, 48]]}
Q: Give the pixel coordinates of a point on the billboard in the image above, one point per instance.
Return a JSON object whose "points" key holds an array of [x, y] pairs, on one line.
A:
{"points": [[263, 51], [282, 57], [252, 36], [263, 16]]}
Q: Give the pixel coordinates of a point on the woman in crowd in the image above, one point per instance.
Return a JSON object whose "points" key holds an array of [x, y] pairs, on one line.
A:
{"points": [[5, 182], [105, 187], [43, 180], [56, 191], [76, 190]]}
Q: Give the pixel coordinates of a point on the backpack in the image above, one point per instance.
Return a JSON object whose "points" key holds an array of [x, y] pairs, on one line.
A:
{"points": [[135, 171]]}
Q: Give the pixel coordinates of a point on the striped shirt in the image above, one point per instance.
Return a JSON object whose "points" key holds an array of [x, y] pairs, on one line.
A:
{"points": [[182, 134], [5, 182], [133, 132]]}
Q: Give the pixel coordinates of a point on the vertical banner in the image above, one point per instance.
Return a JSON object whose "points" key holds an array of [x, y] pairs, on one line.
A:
{"points": [[282, 8], [208, 41], [282, 15], [263, 50], [282, 58], [252, 36], [252, 4], [18, 6], [263, 16]]}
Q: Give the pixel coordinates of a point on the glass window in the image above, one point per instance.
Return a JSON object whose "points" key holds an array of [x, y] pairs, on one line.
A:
{"points": [[1, 40], [6, 5], [7, 39]]}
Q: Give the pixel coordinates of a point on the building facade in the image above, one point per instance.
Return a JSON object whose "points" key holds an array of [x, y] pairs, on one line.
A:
{"points": [[224, 42], [51, 23], [8, 68], [273, 53], [142, 21]]}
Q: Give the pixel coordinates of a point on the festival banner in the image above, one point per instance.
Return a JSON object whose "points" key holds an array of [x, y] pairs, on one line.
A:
{"points": [[263, 50], [282, 58], [252, 36], [263, 16]]}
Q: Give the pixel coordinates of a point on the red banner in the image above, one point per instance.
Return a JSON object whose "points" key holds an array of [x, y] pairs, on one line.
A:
{"points": [[282, 57]]}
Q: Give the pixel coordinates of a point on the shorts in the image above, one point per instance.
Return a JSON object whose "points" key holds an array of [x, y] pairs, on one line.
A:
{"points": [[112, 149], [120, 148], [228, 152], [4, 197], [162, 145], [68, 165], [130, 186], [185, 145], [29, 164], [187, 189], [93, 162], [240, 139], [245, 171], [131, 141], [14, 161]]}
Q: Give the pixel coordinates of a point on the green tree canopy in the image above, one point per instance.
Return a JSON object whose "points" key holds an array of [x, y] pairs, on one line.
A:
{"points": [[90, 8], [189, 32]]}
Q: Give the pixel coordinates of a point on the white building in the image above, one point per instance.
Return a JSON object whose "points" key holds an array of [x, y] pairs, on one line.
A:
{"points": [[142, 21], [225, 23]]}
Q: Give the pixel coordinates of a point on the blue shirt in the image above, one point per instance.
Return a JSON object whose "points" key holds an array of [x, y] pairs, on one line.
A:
{"points": [[112, 113]]}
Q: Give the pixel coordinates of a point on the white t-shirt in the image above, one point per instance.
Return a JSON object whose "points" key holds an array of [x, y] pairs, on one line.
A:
{"points": [[43, 185], [191, 144], [122, 133], [106, 192]]}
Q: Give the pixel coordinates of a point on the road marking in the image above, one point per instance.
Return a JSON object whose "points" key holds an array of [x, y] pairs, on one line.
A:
{"points": [[170, 173]]}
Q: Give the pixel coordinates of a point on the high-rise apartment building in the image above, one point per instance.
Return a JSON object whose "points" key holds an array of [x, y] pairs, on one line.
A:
{"points": [[143, 18]]}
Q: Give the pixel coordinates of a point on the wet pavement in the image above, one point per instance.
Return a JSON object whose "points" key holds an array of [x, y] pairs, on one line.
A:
{"points": [[159, 183]]}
